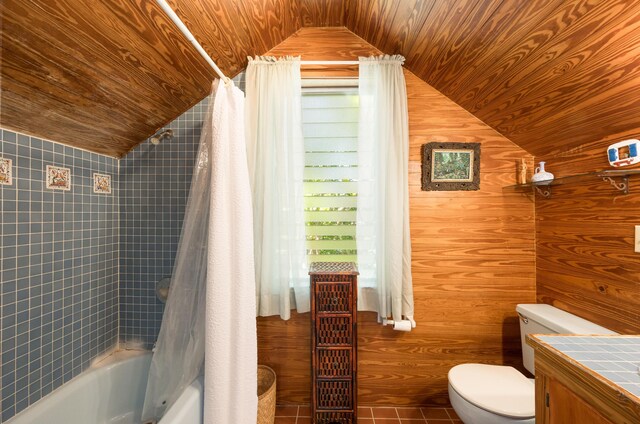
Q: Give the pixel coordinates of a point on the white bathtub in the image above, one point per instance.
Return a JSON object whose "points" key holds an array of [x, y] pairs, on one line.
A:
{"points": [[112, 393]]}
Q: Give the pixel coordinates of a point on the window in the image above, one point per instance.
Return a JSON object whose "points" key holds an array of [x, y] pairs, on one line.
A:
{"points": [[330, 129]]}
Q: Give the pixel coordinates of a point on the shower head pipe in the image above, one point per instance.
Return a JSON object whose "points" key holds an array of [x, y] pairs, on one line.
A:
{"points": [[156, 139]]}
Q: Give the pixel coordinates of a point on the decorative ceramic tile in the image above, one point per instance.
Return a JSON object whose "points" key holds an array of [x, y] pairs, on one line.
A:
{"points": [[102, 183], [58, 178], [6, 172]]}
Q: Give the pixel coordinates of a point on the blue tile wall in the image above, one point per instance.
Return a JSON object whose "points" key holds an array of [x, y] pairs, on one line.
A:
{"points": [[78, 270], [59, 269], [154, 188]]}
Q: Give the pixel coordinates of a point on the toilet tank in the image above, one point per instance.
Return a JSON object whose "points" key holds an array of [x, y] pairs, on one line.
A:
{"points": [[541, 318]]}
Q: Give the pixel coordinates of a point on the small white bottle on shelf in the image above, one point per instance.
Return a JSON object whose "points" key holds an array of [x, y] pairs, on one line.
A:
{"points": [[541, 176]]}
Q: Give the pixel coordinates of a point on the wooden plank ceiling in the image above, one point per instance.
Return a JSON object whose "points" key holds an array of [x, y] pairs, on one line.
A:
{"points": [[550, 75]]}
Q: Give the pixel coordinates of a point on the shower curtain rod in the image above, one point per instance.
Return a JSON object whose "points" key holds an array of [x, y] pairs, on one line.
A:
{"points": [[176, 20], [183, 28]]}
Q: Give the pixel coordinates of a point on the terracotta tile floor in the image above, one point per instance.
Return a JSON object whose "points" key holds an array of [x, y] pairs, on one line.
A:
{"points": [[292, 414]]}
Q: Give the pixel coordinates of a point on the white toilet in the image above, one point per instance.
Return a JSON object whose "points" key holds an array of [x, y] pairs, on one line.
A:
{"points": [[495, 394]]}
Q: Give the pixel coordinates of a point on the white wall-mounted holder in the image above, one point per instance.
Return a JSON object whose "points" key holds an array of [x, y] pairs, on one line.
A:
{"points": [[624, 153]]}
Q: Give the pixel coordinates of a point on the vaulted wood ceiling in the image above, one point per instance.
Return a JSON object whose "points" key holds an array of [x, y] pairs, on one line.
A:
{"points": [[104, 75]]}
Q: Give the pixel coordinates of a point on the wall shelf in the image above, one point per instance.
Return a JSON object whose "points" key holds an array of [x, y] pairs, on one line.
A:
{"points": [[619, 179]]}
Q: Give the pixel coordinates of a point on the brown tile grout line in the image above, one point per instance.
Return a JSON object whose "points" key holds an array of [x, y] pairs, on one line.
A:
{"points": [[424, 418]]}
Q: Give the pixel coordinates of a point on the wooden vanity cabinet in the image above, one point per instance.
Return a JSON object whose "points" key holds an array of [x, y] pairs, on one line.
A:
{"points": [[558, 404]]}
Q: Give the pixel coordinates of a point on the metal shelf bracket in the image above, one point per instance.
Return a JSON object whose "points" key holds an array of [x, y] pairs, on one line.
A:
{"points": [[544, 192], [623, 185]]}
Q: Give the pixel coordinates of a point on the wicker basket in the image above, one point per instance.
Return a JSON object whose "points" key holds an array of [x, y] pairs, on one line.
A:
{"points": [[266, 395]]}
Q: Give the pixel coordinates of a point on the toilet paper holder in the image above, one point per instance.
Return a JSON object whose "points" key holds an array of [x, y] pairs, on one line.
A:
{"points": [[406, 324]]}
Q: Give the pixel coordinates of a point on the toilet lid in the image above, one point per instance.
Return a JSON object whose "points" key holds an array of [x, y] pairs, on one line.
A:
{"points": [[498, 389]]}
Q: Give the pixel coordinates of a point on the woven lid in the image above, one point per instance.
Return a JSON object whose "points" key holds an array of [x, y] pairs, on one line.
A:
{"points": [[333, 268]]}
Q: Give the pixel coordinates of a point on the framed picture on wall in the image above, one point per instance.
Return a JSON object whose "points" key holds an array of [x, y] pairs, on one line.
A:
{"points": [[450, 166]]}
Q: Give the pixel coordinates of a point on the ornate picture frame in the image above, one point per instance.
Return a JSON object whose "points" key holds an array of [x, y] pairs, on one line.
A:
{"points": [[450, 166]]}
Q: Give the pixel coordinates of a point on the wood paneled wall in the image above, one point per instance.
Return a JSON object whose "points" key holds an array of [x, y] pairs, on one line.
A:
{"points": [[585, 233], [100, 75], [105, 75], [324, 13], [548, 74], [473, 261]]}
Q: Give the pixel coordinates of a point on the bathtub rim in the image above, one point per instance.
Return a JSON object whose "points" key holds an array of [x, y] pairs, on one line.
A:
{"points": [[100, 367]]}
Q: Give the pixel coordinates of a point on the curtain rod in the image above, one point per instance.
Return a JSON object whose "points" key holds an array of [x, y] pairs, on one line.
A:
{"points": [[329, 62], [185, 31], [182, 27]]}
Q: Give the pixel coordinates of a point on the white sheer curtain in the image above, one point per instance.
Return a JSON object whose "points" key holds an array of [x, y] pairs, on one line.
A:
{"points": [[382, 234], [275, 151]]}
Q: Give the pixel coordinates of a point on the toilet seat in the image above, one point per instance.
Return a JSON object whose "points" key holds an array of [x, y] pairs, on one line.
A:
{"points": [[498, 389]]}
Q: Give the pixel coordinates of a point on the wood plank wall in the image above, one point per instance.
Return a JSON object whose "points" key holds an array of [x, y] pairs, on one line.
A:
{"points": [[473, 261], [102, 76], [545, 73], [585, 231]]}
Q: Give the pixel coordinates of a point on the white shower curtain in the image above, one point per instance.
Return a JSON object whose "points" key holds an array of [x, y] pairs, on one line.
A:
{"points": [[210, 310], [275, 151], [179, 352], [230, 394], [382, 231]]}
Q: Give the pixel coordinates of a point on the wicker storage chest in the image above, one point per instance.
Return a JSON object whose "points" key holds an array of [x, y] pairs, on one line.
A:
{"points": [[334, 297]]}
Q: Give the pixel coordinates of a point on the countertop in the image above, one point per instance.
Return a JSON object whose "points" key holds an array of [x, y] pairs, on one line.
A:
{"points": [[610, 362]]}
